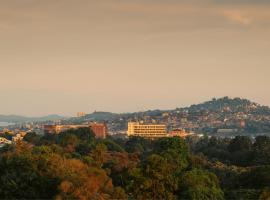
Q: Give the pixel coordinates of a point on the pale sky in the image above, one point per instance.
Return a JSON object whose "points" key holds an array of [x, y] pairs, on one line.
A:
{"points": [[65, 56]]}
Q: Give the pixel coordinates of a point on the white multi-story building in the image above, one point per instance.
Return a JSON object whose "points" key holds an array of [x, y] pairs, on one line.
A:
{"points": [[146, 130]]}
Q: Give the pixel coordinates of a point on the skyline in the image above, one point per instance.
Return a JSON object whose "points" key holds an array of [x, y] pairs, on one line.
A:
{"points": [[126, 112], [60, 57]]}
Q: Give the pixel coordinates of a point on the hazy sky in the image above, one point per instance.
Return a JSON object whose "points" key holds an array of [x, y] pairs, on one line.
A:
{"points": [[64, 56]]}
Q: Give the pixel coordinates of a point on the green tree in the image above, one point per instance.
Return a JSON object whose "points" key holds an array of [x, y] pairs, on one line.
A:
{"points": [[200, 184], [175, 150], [261, 150], [99, 154], [112, 146], [155, 180], [240, 143], [21, 177], [138, 145], [32, 137], [240, 149]]}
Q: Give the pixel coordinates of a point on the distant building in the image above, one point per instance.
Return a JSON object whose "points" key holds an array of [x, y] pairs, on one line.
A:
{"points": [[100, 130], [146, 130], [227, 131], [57, 129], [179, 133], [81, 114]]}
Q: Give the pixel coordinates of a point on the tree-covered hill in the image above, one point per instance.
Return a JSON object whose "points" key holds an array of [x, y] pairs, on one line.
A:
{"points": [[226, 104], [20, 119], [214, 105], [208, 117]]}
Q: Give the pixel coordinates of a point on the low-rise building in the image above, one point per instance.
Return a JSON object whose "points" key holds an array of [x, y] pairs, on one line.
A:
{"points": [[99, 129], [179, 133], [57, 129]]}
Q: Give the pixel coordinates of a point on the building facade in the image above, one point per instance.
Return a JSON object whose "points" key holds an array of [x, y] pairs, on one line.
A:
{"points": [[57, 129], [146, 130], [99, 129], [179, 133]]}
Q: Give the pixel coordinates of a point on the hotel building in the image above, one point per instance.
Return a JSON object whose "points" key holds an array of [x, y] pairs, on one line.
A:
{"points": [[146, 130]]}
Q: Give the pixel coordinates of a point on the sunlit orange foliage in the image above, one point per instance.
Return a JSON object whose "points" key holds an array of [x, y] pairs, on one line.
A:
{"points": [[80, 181]]}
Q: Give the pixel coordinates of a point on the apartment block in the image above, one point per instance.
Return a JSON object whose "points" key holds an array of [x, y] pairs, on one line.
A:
{"points": [[146, 130]]}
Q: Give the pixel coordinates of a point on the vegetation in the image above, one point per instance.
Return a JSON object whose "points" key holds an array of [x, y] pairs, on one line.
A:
{"points": [[75, 165]]}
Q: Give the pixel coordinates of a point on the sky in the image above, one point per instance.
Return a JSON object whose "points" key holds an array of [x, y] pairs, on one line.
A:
{"points": [[65, 56]]}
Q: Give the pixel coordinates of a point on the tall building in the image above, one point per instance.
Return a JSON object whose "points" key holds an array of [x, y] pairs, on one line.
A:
{"points": [[146, 130], [100, 129]]}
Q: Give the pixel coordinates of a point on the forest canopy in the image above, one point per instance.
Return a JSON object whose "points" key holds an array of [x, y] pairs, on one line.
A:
{"points": [[76, 165]]}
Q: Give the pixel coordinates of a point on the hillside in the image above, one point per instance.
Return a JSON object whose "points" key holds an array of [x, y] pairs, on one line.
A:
{"points": [[230, 105], [20, 119], [224, 104], [223, 113], [106, 116]]}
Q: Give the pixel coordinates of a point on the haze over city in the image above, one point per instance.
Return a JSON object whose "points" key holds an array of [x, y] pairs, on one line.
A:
{"points": [[66, 56]]}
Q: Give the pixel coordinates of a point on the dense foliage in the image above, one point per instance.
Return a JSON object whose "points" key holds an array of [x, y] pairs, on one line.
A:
{"points": [[75, 165]]}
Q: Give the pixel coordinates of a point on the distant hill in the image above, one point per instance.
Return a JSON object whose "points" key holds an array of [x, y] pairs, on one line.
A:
{"points": [[231, 105], [20, 119], [215, 105], [221, 103], [99, 116], [206, 117], [108, 116]]}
